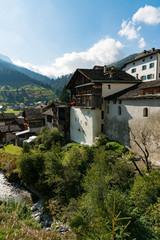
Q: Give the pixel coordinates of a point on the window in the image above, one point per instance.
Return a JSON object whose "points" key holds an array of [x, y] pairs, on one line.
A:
{"points": [[133, 70], [151, 57], [143, 77], [102, 115], [143, 60], [134, 63], [144, 67], [151, 65], [102, 128], [109, 86], [107, 108], [150, 76], [49, 118], [145, 112], [119, 110], [86, 123]]}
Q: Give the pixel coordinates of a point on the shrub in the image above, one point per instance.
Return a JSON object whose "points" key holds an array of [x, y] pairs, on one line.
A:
{"points": [[26, 147]]}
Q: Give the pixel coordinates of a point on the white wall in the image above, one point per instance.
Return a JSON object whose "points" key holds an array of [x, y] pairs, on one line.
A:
{"points": [[35, 130], [85, 125], [138, 65], [114, 87], [49, 125], [117, 127]]}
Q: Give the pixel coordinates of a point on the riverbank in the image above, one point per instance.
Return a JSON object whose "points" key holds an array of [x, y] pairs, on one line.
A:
{"points": [[12, 190]]}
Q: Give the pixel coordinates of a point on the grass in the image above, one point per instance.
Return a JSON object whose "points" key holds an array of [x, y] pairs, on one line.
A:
{"points": [[11, 149], [10, 110], [14, 226]]}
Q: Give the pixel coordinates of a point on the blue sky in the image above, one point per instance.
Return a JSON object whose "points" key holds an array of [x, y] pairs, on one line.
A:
{"points": [[55, 37]]}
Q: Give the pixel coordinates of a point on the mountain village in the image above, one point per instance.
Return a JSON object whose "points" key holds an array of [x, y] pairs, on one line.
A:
{"points": [[122, 103]]}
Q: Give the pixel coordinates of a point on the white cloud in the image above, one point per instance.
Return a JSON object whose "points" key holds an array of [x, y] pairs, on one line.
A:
{"points": [[103, 52], [142, 43], [128, 30], [148, 14]]}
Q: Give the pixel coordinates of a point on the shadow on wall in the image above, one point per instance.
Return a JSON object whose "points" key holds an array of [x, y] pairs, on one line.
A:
{"points": [[116, 124]]}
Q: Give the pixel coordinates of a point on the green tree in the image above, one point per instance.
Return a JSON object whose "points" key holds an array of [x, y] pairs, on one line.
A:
{"points": [[31, 167], [65, 97]]}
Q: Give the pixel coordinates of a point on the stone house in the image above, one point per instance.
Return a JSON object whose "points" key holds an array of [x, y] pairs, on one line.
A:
{"points": [[9, 126], [34, 119], [57, 116]]}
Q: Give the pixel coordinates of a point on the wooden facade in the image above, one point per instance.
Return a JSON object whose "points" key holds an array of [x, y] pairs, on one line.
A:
{"points": [[85, 93]]}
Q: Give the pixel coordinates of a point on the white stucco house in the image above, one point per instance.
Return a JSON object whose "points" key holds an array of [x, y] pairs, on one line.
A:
{"points": [[146, 65]]}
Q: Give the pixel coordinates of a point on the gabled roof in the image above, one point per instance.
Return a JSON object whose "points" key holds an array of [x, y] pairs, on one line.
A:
{"points": [[135, 92], [49, 112], [111, 75], [33, 113], [7, 116]]}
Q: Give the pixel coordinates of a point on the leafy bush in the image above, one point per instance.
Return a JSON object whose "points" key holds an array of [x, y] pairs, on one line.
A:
{"points": [[26, 147], [146, 190], [117, 147], [31, 166]]}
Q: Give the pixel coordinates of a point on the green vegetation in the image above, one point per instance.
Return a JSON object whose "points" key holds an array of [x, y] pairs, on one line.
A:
{"points": [[94, 189], [28, 93], [11, 149], [11, 111], [16, 223]]}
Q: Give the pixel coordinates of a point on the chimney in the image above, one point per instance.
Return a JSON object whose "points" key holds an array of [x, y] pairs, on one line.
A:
{"points": [[137, 76], [153, 49], [105, 68]]}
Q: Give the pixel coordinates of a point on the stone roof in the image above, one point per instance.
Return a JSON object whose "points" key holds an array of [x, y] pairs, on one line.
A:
{"points": [[49, 112], [7, 116], [33, 113], [111, 75], [19, 120], [135, 92], [9, 128]]}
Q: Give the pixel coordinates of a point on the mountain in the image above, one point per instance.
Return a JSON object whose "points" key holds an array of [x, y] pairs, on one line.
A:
{"points": [[121, 62], [17, 87], [5, 58], [7, 63], [14, 78], [59, 83]]}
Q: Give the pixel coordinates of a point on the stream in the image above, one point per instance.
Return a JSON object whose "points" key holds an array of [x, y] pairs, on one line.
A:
{"points": [[19, 193], [13, 190]]}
